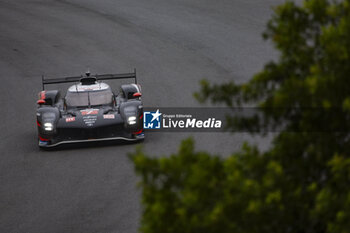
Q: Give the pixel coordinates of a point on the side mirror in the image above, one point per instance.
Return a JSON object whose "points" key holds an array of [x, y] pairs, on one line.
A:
{"points": [[137, 94], [40, 102]]}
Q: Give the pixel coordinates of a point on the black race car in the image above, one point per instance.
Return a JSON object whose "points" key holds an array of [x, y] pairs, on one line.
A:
{"points": [[89, 111]]}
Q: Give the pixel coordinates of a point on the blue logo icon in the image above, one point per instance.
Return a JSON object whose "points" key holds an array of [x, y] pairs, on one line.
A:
{"points": [[151, 120]]}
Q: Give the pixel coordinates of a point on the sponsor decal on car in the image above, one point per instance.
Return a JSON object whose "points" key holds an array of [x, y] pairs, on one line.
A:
{"points": [[70, 119], [90, 120], [108, 116], [89, 112]]}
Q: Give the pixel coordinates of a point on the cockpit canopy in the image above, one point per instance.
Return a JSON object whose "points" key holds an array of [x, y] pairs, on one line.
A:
{"points": [[89, 95]]}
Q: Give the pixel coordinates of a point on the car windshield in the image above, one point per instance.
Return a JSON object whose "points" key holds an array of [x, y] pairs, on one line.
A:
{"points": [[82, 99]]}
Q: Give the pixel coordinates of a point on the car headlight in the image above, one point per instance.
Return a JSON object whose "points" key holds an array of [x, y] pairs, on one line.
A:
{"points": [[48, 126], [132, 120]]}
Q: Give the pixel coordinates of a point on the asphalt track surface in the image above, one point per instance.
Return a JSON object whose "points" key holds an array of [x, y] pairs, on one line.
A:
{"points": [[173, 44]]}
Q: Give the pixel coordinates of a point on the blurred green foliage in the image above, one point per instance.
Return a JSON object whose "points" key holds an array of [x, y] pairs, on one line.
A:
{"points": [[301, 184]]}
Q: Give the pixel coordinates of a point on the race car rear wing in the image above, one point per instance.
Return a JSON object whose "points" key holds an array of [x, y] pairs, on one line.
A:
{"points": [[97, 76]]}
